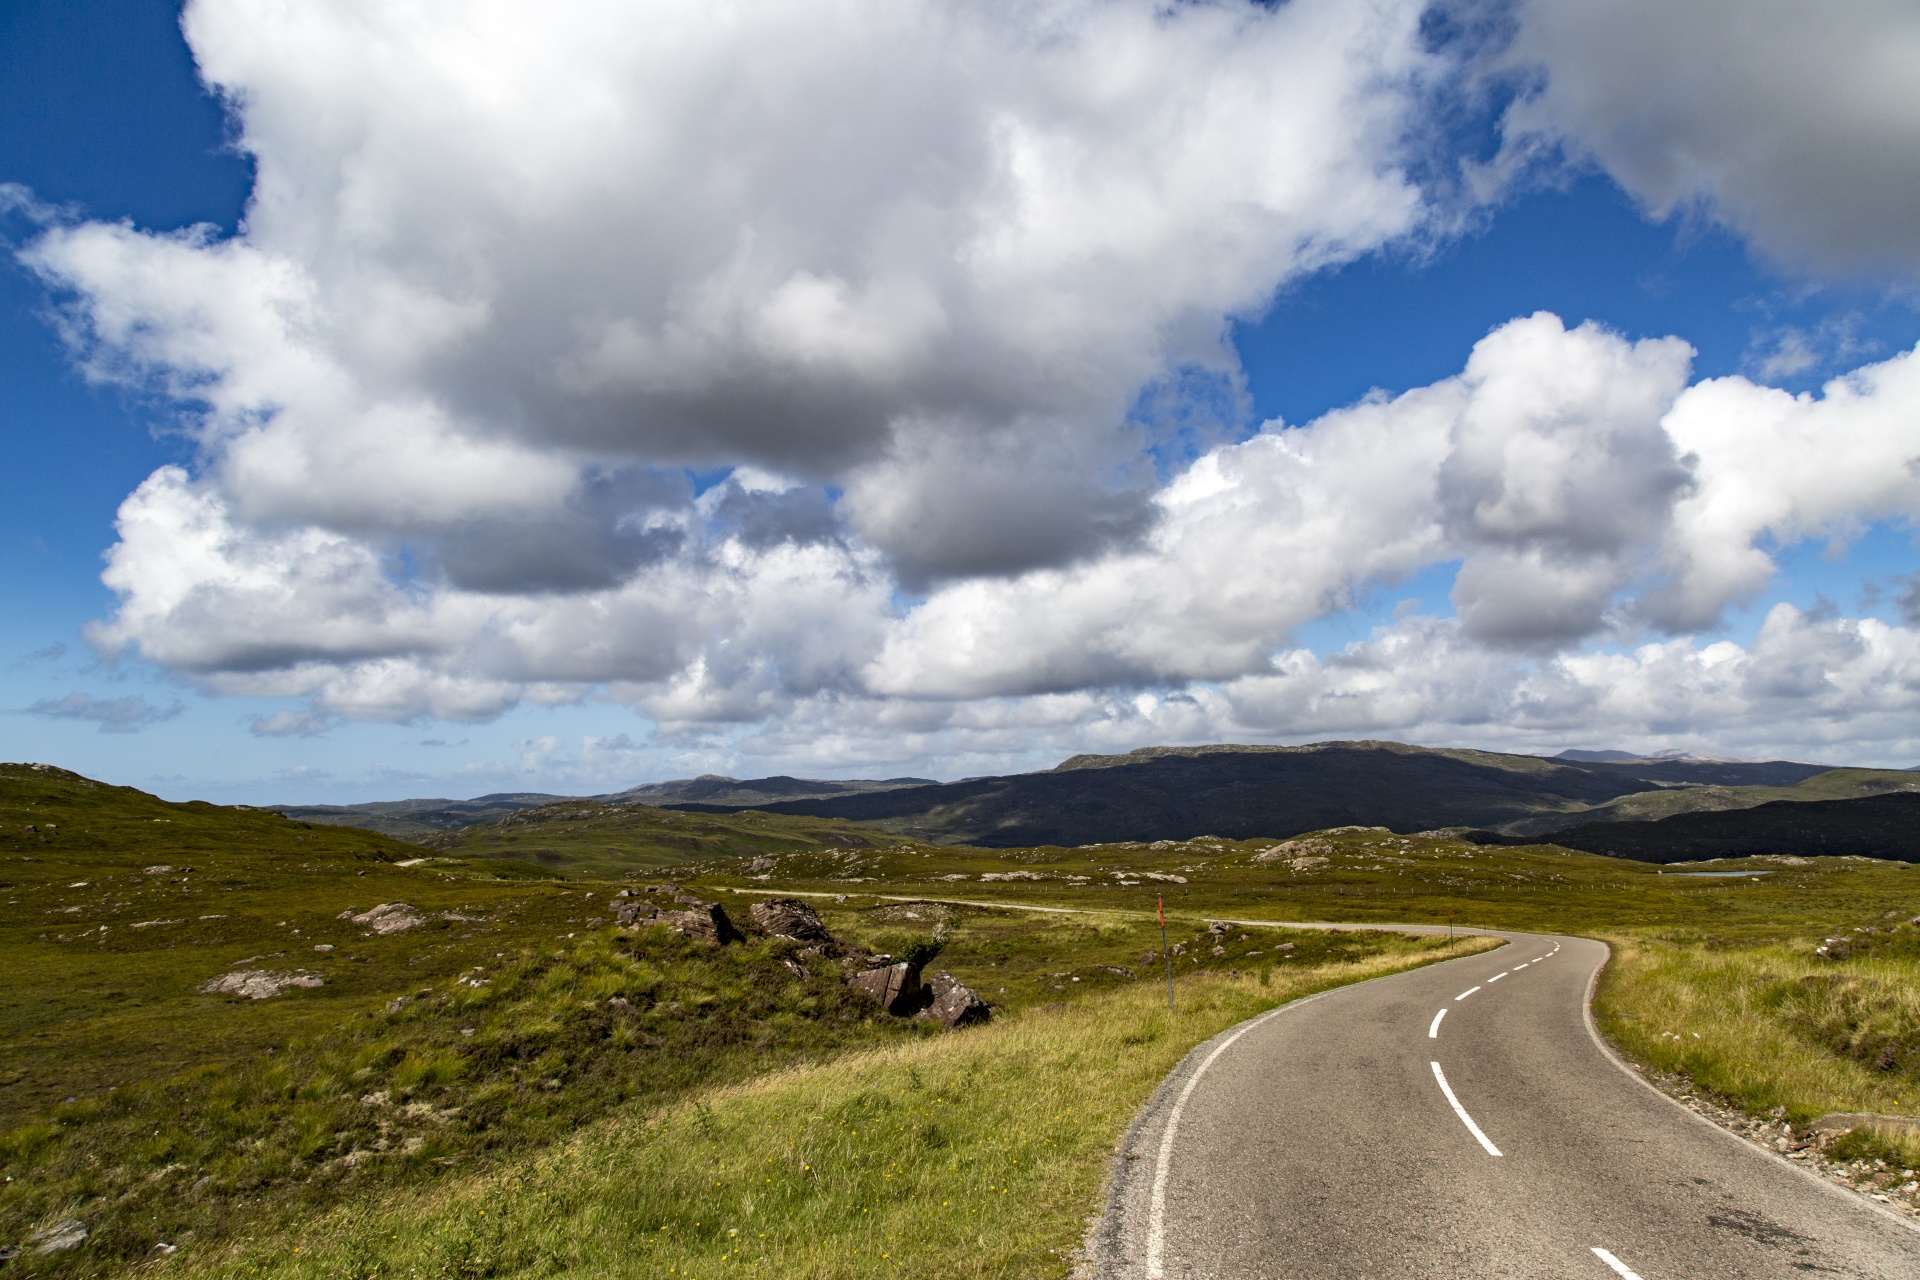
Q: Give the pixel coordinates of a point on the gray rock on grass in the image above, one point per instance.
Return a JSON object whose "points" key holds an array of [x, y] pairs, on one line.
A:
{"points": [[705, 921], [388, 917], [895, 987], [954, 1004], [58, 1238], [260, 984], [790, 918]]}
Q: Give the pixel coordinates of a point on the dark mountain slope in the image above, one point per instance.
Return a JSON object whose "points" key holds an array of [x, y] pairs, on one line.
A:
{"points": [[1883, 826], [1236, 792], [413, 819], [711, 788]]}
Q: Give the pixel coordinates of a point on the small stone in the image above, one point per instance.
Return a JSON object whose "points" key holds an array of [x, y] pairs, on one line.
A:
{"points": [[58, 1238], [323, 946]]}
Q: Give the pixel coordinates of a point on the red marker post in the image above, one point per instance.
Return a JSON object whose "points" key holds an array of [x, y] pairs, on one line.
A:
{"points": [[1160, 904]]}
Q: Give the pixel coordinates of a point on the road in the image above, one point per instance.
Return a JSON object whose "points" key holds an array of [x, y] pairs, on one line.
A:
{"points": [[1462, 1120]]}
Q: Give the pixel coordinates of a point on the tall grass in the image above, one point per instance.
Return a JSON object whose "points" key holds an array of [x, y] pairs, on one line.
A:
{"points": [[971, 1155], [1773, 1028]]}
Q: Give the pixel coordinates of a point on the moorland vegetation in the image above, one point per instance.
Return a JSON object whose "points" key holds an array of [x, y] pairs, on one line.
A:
{"points": [[514, 1083]]}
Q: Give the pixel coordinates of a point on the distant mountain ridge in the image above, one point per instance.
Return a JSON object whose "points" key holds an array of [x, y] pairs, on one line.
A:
{"points": [[1235, 790], [1879, 826], [1243, 792], [419, 817]]}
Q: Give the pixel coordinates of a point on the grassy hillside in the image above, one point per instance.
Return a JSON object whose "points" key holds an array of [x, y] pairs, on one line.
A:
{"points": [[1873, 826], [1650, 806], [411, 1110], [587, 837], [1176, 793], [411, 819]]}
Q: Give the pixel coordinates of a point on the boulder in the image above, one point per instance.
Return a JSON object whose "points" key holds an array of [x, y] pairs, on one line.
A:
{"points": [[790, 918], [706, 921], [389, 917], [633, 912], [895, 987], [259, 984], [954, 1004]]}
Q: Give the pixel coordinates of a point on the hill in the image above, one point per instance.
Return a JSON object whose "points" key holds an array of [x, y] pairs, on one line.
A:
{"points": [[1885, 826], [592, 837], [408, 819], [1244, 792]]}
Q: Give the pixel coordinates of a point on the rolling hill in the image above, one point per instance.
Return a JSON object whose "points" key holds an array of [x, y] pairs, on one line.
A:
{"points": [[411, 819], [1243, 792], [1876, 826]]}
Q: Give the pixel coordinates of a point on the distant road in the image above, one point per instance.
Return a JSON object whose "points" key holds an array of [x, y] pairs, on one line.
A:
{"points": [[1461, 1120]]}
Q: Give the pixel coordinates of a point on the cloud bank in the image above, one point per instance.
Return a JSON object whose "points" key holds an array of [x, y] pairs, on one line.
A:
{"points": [[779, 371]]}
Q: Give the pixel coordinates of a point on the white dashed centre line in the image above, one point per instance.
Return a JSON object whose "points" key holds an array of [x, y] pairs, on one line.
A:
{"points": [[1495, 978], [1620, 1268], [1433, 1032], [1464, 994], [1461, 1111]]}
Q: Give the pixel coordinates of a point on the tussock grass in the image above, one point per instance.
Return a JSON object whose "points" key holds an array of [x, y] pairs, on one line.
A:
{"points": [[1771, 1026], [971, 1155]]}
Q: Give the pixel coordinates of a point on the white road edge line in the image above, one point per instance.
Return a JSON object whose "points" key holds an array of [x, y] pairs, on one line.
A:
{"points": [[1157, 1208], [1433, 1032], [1620, 1268], [1461, 1111], [1464, 994]]}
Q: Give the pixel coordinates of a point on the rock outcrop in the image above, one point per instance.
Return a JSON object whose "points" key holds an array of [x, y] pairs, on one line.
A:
{"points": [[895, 987], [388, 917], [706, 921], [954, 1004], [259, 984], [791, 918]]}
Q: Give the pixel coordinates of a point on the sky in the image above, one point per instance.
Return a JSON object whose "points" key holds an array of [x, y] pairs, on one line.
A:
{"points": [[443, 398]]}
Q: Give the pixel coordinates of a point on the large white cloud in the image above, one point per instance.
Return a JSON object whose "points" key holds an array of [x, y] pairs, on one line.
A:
{"points": [[901, 271], [1798, 124], [929, 252]]}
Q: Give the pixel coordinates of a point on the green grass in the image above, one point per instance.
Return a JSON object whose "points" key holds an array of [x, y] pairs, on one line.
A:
{"points": [[1775, 1027], [969, 1155], [1648, 806], [607, 1068], [587, 838]]}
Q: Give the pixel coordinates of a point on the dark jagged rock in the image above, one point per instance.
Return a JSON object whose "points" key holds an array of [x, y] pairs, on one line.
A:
{"points": [[954, 1004], [790, 918], [628, 913], [706, 921], [895, 987]]}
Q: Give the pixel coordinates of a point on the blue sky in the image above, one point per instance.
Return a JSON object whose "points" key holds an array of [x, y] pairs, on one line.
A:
{"points": [[104, 120]]}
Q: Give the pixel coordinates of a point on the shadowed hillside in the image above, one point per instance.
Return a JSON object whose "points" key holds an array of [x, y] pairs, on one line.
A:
{"points": [[1882, 826], [1166, 793]]}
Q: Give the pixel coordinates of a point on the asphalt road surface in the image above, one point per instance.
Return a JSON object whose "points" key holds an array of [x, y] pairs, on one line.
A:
{"points": [[1462, 1120]]}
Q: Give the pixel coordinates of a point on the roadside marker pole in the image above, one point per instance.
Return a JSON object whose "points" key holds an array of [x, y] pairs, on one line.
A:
{"points": [[1449, 928], [1160, 905]]}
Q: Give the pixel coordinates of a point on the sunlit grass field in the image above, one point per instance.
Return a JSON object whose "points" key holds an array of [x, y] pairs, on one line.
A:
{"points": [[515, 1085], [975, 1154]]}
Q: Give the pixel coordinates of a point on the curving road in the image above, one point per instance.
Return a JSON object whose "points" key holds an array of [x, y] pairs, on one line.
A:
{"points": [[1462, 1120]]}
